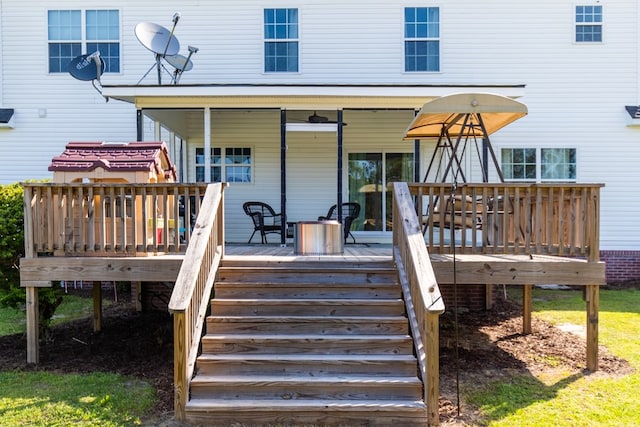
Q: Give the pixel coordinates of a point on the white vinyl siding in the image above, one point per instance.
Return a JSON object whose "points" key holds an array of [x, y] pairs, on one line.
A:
{"points": [[576, 99]]}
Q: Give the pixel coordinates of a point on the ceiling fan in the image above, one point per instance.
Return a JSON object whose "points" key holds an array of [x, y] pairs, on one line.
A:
{"points": [[315, 118]]}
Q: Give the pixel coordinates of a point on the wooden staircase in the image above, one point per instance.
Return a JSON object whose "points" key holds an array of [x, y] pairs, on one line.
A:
{"points": [[307, 343]]}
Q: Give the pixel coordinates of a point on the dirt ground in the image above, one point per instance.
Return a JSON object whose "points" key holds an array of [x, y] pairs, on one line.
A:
{"points": [[489, 345]]}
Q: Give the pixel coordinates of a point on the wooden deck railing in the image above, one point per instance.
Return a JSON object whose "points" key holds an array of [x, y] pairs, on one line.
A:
{"points": [[192, 292], [110, 219], [421, 293], [509, 218]]}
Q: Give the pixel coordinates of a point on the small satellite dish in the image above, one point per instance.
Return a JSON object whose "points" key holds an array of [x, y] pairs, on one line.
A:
{"points": [[84, 67], [157, 39], [179, 62]]}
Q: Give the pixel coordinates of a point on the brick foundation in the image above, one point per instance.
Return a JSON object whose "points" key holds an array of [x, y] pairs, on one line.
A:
{"points": [[154, 296], [621, 266], [470, 297]]}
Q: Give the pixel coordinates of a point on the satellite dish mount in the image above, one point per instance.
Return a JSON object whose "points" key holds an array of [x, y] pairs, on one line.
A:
{"points": [[160, 41]]}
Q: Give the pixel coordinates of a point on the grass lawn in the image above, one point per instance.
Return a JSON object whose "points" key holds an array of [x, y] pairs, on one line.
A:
{"points": [[562, 397], [40, 398]]}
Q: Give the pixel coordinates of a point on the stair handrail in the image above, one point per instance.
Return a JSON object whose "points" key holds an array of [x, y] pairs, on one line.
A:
{"points": [[422, 294], [191, 294]]}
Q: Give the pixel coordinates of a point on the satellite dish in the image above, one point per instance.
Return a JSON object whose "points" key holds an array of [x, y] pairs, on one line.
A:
{"points": [[157, 39], [179, 62], [85, 67]]}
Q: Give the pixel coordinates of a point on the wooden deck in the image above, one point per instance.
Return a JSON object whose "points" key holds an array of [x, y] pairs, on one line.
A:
{"points": [[524, 235]]}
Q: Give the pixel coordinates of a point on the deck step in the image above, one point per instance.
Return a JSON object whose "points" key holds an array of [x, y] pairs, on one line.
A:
{"points": [[309, 344], [356, 412], [307, 290], [382, 365], [301, 387], [348, 325], [310, 307]]}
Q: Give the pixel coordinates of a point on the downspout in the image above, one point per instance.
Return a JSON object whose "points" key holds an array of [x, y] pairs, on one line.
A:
{"points": [[139, 124]]}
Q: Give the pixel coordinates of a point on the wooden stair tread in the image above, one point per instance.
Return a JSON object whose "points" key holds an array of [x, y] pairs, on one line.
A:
{"points": [[299, 283], [310, 337], [307, 319], [329, 358], [275, 405], [305, 301], [370, 380]]}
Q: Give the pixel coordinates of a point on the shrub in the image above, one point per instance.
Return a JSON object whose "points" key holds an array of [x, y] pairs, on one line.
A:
{"points": [[11, 250]]}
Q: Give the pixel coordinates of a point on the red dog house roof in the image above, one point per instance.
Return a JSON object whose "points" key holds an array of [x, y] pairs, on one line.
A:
{"points": [[115, 158]]}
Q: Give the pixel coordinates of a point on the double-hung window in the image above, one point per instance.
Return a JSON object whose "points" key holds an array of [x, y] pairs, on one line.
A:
{"points": [[281, 40], [588, 24], [234, 166], [74, 32], [539, 164], [422, 39]]}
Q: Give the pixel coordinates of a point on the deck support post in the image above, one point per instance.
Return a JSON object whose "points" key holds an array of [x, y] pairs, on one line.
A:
{"points": [[180, 361], [97, 306], [527, 308], [138, 293], [592, 295], [488, 297], [33, 349], [432, 376]]}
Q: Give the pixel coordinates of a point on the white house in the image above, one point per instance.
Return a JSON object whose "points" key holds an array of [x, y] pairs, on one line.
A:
{"points": [[257, 71]]}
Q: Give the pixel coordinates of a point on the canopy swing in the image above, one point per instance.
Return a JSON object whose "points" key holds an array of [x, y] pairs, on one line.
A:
{"points": [[461, 123]]}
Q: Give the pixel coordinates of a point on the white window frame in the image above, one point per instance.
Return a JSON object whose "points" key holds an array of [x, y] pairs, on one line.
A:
{"points": [[406, 39], [538, 164], [83, 40], [288, 39], [223, 165], [577, 24]]}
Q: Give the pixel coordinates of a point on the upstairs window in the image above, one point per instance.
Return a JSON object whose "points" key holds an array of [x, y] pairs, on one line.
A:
{"points": [[72, 33], [281, 40], [422, 39], [539, 164], [588, 24]]}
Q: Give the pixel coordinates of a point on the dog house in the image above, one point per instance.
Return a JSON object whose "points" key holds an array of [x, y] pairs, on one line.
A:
{"points": [[123, 209]]}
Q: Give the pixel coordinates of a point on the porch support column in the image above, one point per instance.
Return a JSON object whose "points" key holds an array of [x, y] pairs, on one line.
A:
{"points": [[416, 155], [340, 153], [157, 131], [207, 144], [283, 176], [139, 124]]}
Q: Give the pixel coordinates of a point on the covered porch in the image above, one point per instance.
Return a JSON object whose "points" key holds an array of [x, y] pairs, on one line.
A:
{"points": [[345, 142]]}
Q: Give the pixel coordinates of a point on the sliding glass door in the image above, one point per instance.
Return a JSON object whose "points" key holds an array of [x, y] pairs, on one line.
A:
{"points": [[369, 175]]}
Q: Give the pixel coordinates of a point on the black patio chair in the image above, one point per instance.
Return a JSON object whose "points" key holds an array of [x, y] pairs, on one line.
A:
{"points": [[350, 211], [265, 219]]}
